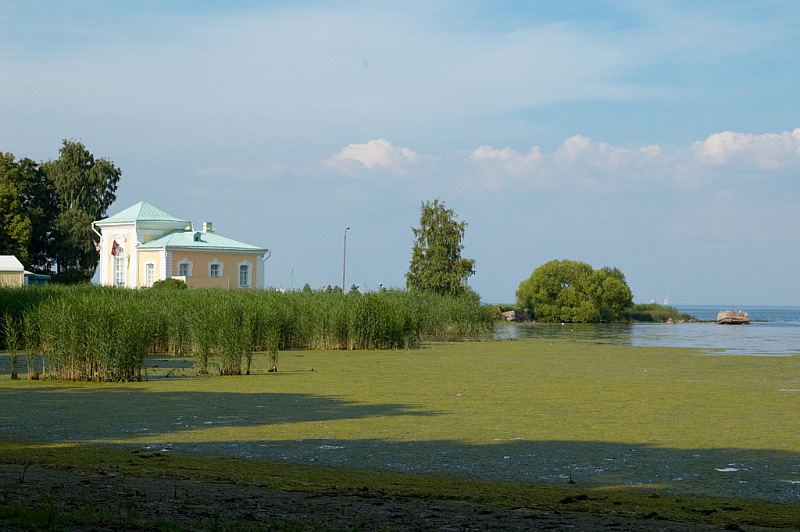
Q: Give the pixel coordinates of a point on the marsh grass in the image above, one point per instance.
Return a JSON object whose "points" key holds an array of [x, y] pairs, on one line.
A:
{"points": [[653, 312], [104, 334], [638, 430]]}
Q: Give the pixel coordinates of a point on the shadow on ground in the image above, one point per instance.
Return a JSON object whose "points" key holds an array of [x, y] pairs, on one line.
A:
{"points": [[50, 414]]}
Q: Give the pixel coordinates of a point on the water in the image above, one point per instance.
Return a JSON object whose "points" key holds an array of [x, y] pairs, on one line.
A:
{"points": [[773, 331]]}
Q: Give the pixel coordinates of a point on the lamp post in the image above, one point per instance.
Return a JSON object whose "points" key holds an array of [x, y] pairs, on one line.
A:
{"points": [[344, 257]]}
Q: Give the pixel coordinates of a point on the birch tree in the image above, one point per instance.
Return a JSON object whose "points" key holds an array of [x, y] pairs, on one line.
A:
{"points": [[436, 262]]}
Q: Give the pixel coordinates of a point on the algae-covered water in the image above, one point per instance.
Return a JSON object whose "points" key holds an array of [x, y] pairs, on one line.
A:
{"points": [[530, 411]]}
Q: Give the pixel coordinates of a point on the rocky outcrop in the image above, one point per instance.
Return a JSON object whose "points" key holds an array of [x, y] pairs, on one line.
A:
{"points": [[733, 317], [517, 315]]}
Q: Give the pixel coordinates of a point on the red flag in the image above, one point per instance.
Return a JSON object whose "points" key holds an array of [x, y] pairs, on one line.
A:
{"points": [[114, 248]]}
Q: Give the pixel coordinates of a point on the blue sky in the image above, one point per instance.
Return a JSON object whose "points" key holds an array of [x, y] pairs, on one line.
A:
{"points": [[662, 138]]}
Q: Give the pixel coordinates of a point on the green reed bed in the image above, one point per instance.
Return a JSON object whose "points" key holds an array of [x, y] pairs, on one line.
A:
{"points": [[100, 333]]}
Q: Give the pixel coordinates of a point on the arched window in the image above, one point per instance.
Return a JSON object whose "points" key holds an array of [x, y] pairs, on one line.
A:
{"points": [[120, 261]]}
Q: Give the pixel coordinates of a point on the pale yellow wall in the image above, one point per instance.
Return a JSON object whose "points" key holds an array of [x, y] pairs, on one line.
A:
{"points": [[106, 265], [209, 282], [230, 271], [12, 279], [144, 258]]}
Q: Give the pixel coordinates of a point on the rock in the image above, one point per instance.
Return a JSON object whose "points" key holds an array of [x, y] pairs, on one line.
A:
{"points": [[517, 315], [733, 317]]}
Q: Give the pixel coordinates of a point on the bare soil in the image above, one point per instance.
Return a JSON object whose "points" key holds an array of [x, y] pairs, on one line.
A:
{"points": [[139, 503]]}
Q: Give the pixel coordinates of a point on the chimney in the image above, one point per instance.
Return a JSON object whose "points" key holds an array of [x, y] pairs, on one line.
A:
{"points": [[208, 227]]}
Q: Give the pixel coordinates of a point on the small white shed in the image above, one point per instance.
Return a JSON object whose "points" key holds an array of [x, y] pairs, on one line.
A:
{"points": [[12, 273]]}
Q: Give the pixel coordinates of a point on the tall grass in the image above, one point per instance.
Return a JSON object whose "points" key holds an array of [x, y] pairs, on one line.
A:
{"points": [[653, 312], [101, 333]]}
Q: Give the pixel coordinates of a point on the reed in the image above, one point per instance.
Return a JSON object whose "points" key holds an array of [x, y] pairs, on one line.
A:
{"points": [[13, 336], [104, 334]]}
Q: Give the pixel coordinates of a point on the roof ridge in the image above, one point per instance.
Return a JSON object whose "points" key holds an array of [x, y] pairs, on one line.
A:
{"points": [[185, 238], [142, 212]]}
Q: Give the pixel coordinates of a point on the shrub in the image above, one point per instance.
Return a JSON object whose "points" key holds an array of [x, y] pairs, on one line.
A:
{"points": [[170, 283]]}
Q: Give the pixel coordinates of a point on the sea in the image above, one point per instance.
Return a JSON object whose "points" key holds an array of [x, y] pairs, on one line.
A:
{"points": [[773, 331]]}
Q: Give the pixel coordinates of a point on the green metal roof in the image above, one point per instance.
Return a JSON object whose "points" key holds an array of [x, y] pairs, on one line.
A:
{"points": [[198, 240], [142, 212]]}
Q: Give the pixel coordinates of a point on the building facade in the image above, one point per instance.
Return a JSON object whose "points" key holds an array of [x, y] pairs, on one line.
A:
{"points": [[143, 244], [12, 274]]}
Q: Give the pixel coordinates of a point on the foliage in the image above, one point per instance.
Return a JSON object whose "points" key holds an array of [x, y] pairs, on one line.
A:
{"points": [[436, 263], [85, 189], [653, 312], [27, 209], [46, 210], [170, 283], [13, 337], [571, 291], [103, 333], [70, 277]]}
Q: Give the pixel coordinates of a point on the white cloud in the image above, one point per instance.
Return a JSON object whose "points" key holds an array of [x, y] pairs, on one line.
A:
{"points": [[769, 151], [581, 161], [379, 153], [501, 166], [578, 159], [580, 151]]}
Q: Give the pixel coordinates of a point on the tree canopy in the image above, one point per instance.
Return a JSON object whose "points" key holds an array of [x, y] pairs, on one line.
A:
{"points": [[46, 209], [436, 262], [570, 291], [85, 189], [27, 211]]}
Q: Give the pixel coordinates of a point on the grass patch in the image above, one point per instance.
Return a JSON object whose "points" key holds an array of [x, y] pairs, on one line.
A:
{"points": [[639, 430]]}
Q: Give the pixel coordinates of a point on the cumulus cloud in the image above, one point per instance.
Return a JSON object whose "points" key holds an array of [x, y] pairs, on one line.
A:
{"points": [[582, 151], [582, 161], [769, 151], [578, 159], [498, 166], [378, 153]]}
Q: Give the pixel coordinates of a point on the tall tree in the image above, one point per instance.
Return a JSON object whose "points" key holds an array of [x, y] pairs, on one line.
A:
{"points": [[436, 262], [27, 211], [85, 189]]}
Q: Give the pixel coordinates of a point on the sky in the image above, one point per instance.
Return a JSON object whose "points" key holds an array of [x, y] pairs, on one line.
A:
{"points": [[660, 138]]}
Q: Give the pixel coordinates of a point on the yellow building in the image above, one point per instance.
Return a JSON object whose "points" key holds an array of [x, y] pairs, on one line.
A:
{"points": [[143, 244]]}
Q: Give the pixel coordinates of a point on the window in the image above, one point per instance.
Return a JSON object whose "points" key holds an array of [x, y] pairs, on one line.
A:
{"points": [[185, 268], [244, 276], [215, 268], [149, 274], [119, 266]]}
